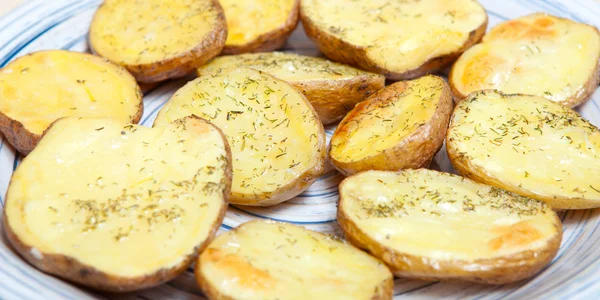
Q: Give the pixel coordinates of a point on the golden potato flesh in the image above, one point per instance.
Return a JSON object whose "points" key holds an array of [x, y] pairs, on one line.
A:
{"points": [[538, 54], [333, 89], [259, 25], [39, 88], [278, 143], [528, 145], [158, 39], [400, 39], [401, 126], [267, 260], [118, 207], [438, 226]]}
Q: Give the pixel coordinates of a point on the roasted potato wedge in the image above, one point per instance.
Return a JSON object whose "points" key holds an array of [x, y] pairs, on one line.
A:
{"points": [[158, 39], [269, 260], [39, 88], [538, 54], [528, 145], [119, 207], [437, 226], [333, 89], [259, 25], [402, 126], [399, 39], [277, 140]]}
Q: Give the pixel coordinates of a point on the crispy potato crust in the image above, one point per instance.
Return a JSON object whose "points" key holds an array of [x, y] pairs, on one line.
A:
{"points": [[497, 270], [269, 41], [73, 270], [342, 51], [512, 58], [175, 66], [412, 149], [16, 133]]}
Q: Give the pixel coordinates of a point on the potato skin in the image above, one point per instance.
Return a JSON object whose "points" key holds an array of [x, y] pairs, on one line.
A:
{"points": [[183, 63], [577, 99], [71, 269], [414, 151], [333, 99], [344, 52], [17, 135], [269, 41], [500, 270], [24, 141], [384, 292]]}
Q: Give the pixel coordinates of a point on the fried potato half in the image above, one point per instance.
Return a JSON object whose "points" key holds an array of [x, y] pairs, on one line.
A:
{"points": [[119, 207], [399, 39], [528, 145], [538, 54], [437, 226], [39, 88], [402, 126], [269, 260], [158, 39], [277, 140], [259, 25], [333, 89]]}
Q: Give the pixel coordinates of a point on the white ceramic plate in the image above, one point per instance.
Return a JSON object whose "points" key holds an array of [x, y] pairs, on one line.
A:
{"points": [[63, 24]]}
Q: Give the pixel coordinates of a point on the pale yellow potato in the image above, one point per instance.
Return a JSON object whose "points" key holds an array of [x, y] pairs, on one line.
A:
{"points": [[400, 127], [41, 87], [437, 226], [277, 140], [119, 207], [399, 39], [268, 260], [528, 145], [538, 54], [332, 89], [259, 25], [158, 39]]}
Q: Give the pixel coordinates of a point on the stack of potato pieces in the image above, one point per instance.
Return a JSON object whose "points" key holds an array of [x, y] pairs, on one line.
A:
{"points": [[96, 191]]}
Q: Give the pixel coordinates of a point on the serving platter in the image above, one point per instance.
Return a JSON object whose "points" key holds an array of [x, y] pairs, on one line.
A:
{"points": [[63, 24]]}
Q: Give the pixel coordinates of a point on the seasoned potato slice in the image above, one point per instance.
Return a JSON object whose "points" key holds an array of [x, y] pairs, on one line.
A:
{"points": [[437, 226], [119, 207], [268, 260], [39, 88], [527, 145], [158, 39], [259, 25], [333, 89], [399, 39], [538, 54], [277, 141], [399, 127]]}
